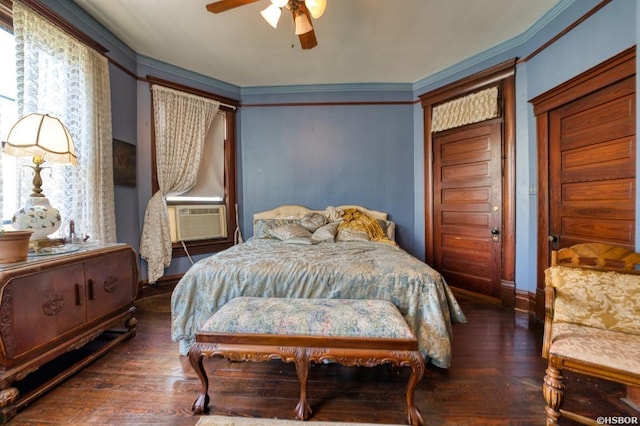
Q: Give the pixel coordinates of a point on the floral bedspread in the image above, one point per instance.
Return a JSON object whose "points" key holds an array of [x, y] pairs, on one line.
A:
{"points": [[343, 270]]}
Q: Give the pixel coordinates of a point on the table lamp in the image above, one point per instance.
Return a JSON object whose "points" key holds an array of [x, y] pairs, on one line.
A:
{"points": [[44, 138]]}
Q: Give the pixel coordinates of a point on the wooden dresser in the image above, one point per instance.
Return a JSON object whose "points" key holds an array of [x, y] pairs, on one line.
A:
{"points": [[57, 307]]}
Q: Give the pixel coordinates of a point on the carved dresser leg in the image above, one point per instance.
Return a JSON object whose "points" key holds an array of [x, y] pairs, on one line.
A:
{"points": [[201, 404], [416, 362], [8, 399], [303, 409], [131, 325], [553, 391]]}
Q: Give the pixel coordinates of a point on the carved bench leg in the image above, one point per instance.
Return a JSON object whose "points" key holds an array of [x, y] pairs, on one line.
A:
{"points": [[553, 391], [416, 362], [201, 404], [303, 409]]}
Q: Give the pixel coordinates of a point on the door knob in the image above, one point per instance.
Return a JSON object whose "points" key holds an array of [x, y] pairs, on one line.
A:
{"points": [[553, 238], [495, 234]]}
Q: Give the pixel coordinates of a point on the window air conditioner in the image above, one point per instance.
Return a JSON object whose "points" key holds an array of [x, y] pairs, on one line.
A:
{"points": [[197, 222]]}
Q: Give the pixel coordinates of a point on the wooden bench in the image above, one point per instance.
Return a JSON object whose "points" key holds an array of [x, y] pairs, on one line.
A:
{"points": [[349, 332]]}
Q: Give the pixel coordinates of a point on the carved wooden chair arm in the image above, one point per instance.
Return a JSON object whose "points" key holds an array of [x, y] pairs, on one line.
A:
{"points": [[549, 301]]}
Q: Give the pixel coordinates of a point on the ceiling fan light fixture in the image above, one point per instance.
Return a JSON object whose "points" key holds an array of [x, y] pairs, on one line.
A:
{"points": [[303, 25], [280, 3], [272, 15], [316, 7]]}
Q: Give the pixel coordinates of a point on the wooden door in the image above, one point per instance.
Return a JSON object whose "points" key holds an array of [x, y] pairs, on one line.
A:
{"points": [[592, 151], [586, 161], [468, 206]]}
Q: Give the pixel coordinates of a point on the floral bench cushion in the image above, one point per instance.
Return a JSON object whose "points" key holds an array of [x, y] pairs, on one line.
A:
{"points": [[603, 299], [597, 346], [310, 317]]}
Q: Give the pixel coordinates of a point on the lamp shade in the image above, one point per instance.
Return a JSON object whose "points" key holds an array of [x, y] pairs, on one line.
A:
{"points": [[41, 136], [316, 7], [271, 14]]}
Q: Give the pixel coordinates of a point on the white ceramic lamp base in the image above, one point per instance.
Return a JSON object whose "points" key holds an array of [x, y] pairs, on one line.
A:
{"points": [[37, 216]]}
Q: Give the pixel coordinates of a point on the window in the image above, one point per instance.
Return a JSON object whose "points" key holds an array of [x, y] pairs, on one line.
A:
{"points": [[48, 50], [223, 127], [209, 187]]}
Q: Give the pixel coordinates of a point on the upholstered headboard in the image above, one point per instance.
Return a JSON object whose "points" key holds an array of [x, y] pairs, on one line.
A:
{"points": [[297, 211], [293, 211]]}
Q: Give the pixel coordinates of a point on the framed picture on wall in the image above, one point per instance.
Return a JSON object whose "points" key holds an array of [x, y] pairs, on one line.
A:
{"points": [[124, 163]]}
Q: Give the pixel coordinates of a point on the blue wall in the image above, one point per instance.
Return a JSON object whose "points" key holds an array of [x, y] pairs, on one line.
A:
{"points": [[366, 154], [125, 124], [321, 156]]}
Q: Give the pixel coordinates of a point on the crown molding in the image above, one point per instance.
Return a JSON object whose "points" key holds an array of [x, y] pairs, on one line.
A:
{"points": [[327, 88], [494, 52], [192, 76]]}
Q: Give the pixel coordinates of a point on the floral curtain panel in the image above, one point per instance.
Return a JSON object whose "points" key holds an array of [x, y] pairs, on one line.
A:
{"points": [[181, 123], [59, 75], [474, 108]]}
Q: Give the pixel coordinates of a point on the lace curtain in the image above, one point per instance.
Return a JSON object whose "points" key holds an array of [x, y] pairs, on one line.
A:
{"points": [[181, 122], [59, 75], [474, 108]]}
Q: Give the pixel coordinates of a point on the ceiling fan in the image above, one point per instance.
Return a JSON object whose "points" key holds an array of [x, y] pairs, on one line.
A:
{"points": [[302, 11]]}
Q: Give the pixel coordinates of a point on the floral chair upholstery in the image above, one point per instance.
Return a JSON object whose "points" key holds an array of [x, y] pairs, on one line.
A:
{"points": [[592, 320]]}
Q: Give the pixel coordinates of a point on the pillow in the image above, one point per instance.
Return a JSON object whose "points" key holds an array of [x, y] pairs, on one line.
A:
{"points": [[292, 233], [326, 233], [261, 227], [602, 299], [333, 214], [299, 240], [391, 230], [388, 227], [312, 221], [348, 234]]}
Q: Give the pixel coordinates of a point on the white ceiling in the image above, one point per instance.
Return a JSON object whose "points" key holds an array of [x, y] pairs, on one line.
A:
{"points": [[359, 41]]}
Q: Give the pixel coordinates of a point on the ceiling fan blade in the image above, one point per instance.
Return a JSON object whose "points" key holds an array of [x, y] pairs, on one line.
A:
{"points": [[307, 40], [224, 5]]}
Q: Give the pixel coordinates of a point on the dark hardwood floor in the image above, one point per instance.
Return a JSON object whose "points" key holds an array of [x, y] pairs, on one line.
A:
{"points": [[495, 379]]}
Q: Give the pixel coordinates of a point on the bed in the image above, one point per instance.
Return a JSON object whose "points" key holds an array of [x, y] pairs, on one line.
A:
{"points": [[347, 252]]}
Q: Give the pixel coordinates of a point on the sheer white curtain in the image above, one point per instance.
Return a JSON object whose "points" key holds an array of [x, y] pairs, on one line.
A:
{"points": [[181, 123], [59, 75]]}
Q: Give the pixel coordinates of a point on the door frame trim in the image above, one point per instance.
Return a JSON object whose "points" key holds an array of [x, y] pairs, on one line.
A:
{"points": [[504, 75], [619, 67]]}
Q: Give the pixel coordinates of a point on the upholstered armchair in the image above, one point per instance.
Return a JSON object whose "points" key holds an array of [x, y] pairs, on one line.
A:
{"points": [[592, 321]]}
